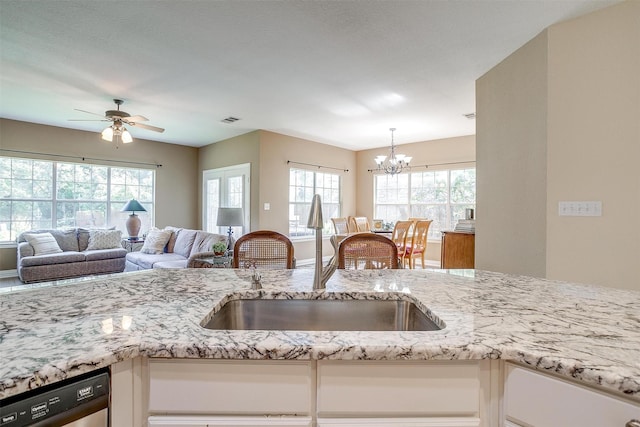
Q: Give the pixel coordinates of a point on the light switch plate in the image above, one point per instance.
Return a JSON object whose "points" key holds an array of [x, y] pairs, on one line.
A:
{"points": [[267, 206], [592, 208]]}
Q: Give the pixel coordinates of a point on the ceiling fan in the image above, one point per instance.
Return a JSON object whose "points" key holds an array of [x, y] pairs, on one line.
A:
{"points": [[119, 118]]}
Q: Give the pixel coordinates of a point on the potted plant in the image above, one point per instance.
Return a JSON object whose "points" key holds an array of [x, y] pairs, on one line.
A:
{"points": [[219, 248]]}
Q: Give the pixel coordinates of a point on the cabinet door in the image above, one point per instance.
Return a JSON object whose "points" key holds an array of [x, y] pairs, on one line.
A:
{"points": [[230, 421], [458, 250], [398, 389], [221, 387], [539, 400]]}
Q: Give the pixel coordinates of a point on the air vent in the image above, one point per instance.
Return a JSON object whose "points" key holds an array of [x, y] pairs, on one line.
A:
{"points": [[470, 116], [230, 119]]}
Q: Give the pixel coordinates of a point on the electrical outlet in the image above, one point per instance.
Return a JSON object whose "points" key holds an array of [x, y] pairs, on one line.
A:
{"points": [[593, 208]]}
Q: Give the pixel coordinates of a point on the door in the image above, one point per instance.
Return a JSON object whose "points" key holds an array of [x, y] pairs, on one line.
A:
{"points": [[227, 188]]}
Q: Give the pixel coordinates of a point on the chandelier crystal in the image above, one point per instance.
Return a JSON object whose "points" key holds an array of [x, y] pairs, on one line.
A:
{"points": [[395, 163]]}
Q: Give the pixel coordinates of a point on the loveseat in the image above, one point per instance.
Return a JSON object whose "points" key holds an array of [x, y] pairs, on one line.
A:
{"points": [[51, 254], [173, 247]]}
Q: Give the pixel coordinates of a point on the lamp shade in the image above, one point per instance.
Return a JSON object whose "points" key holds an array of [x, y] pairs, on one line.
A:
{"points": [[229, 217], [315, 214], [107, 134], [126, 136], [134, 206]]}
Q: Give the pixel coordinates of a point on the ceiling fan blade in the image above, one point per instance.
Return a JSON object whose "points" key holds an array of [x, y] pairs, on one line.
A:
{"points": [[148, 127], [88, 120], [89, 112], [137, 118]]}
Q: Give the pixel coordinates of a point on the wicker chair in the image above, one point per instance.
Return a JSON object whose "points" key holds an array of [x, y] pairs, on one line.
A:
{"points": [[400, 235], [340, 225], [418, 245], [263, 249], [358, 224], [367, 251]]}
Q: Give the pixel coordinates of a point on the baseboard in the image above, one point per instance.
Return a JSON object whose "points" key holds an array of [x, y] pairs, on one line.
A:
{"points": [[8, 274]]}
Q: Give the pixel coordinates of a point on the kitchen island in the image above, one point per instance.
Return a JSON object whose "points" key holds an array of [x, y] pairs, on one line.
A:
{"points": [[585, 333]]}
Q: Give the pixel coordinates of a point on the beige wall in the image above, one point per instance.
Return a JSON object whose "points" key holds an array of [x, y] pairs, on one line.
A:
{"points": [[176, 180], [275, 150], [268, 153], [511, 134], [594, 146], [460, 150], [230, 152], [591, 134]]}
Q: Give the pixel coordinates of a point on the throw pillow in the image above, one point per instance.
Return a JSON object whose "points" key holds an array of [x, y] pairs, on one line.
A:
{"points": [[156, 241], [43, 243], [104, 239]]}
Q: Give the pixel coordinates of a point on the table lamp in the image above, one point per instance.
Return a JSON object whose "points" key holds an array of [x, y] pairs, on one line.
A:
{"points": [[133, 222], [229, 217]]}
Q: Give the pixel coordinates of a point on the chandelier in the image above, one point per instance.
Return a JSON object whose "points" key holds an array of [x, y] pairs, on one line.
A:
{"points": [[395, 163]]}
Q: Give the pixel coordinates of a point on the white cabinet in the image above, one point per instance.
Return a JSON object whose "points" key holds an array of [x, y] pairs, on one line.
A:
{"points": [[198, 393], [442, 390], [398, 422], [535, 399], [226, 387], [235, 421]]}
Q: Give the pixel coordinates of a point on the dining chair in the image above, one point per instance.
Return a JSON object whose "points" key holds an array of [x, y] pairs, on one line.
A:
{"points": [[401, 231], [359, 224], [417, 246], [340, 225], [263, 249], [367, 251]]}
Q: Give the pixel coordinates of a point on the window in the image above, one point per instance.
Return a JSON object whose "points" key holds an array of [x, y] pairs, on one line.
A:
{"points": [[441, 195], [44, 194], [303, 184]]}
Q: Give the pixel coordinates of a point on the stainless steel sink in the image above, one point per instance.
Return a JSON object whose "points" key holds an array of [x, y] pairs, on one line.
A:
{"points": [[321, 315]]}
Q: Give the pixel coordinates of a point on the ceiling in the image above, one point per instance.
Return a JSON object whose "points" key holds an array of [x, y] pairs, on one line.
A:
{"points": [[336, 72]]}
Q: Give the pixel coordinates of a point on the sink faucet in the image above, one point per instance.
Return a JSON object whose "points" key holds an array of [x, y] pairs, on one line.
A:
{"points": [[320, 276], [256, 277]]}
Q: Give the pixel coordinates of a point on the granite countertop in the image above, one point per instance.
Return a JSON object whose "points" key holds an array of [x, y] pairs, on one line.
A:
{"points": [[54, 331]]}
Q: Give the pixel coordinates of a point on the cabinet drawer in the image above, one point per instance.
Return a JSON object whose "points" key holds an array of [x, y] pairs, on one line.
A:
{"points": [[399, 422], [539, 400], [229, 387], [398, 388], [204, 421]]}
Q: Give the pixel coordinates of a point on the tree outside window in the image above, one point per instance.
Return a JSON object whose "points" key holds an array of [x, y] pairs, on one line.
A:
{"points": [[441, 195]]}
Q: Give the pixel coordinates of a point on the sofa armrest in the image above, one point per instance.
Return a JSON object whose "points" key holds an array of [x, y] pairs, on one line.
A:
{"points": [[25, 250]]}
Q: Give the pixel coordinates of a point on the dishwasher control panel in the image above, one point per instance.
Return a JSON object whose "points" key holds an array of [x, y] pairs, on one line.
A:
{"points": [[57, 404]]}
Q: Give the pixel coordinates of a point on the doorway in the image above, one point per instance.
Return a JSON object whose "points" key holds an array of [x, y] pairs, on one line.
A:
{"points": [[226, 187]]}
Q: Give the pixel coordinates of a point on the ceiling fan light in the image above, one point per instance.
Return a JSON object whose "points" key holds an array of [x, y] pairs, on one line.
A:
{"points": [[107, 134], [126, 136]]}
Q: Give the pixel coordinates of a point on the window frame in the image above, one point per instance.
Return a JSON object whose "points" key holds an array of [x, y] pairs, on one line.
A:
{"points": [[409, 207], [304, 205], [108, 203]]}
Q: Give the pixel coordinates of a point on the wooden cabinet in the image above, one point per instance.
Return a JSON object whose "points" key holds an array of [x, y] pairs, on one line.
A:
{"points": [[458, 250]]}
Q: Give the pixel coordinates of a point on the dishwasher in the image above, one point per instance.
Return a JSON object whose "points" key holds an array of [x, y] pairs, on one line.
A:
{"points": [[81, 401]]}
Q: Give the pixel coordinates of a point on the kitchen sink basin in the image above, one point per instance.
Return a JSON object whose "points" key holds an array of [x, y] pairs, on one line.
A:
{"points": [[321, 315]]}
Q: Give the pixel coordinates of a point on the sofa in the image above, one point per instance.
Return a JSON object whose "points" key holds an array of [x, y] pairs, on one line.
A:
{"points": [[51, 254], [173, 247]]}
